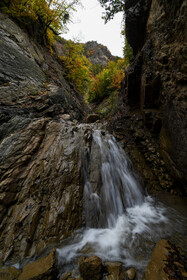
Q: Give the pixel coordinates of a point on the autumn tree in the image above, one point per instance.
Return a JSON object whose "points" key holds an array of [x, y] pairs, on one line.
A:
{"points": [[77, 66], [50, 15], [107, 82]]}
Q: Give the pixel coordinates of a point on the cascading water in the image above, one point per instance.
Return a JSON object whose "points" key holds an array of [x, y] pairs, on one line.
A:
{"points": [[122, 223], [118, 189]]}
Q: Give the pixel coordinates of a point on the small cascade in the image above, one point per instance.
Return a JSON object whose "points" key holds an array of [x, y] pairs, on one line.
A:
{"points": [[118, 187], [122, 223]]}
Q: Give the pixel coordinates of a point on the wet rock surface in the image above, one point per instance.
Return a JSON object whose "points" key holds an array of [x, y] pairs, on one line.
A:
{"points": [[130, 273], [91, 268], [114, 271], [167, 262], [144, 151], [44, 268], [41, 186]]}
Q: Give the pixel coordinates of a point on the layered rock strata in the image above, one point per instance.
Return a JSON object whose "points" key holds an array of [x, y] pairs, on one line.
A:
{"points": [[40, 179]]}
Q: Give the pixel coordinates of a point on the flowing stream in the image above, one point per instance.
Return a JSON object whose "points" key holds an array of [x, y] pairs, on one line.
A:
{"points": [[122, 222]]}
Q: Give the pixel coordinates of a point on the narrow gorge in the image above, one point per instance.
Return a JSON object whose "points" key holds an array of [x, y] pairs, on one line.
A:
{"points": [[90, 198]]}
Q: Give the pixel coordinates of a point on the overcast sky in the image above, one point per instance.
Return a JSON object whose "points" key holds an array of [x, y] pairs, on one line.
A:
{"points": [[88, 25]]}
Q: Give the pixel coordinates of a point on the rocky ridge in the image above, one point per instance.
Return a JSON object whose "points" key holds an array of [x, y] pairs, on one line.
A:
{"points": [[97, 53]]}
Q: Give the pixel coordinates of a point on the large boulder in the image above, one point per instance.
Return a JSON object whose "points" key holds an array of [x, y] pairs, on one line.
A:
{"points": [[131, 273], [44, 268], [90, 268], [115, 271]]}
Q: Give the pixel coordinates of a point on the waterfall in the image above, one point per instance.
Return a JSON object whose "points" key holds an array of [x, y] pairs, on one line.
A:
{"points": [[122, 223], [118, 188]]}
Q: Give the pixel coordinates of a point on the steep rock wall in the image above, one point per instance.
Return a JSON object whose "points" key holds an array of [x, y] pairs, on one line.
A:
{"points": [[155, 83], [40, 179]]}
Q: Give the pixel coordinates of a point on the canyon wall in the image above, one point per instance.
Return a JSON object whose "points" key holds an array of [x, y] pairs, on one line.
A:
{"points": [[155, 85], [40, 189]]}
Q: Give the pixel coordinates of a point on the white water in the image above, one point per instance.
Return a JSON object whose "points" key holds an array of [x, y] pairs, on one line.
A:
{"points": [[118, 189], [127, 224], [122, 241]]}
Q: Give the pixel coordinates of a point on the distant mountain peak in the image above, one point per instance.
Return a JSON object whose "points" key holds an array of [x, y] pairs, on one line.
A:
{"points": [[97, 53]]}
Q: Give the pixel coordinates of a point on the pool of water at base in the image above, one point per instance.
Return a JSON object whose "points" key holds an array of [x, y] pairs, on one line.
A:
{"points": [[133, 237]]}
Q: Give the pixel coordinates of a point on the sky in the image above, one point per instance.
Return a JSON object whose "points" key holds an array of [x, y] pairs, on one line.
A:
{"points": [[87, 25]]}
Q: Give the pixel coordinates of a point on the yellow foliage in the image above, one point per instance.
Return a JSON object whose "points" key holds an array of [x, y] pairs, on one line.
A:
{"points": [[107, 81], [49, 14], [77, 65]]}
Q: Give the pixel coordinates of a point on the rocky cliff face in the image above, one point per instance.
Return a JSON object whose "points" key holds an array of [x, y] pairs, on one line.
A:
{"points": [[97, 53], [40, 190], [155, 85]]}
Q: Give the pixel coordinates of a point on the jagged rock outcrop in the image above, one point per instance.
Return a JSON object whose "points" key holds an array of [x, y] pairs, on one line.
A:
{"points": [[97, 53], [41, 188], [155, 83]]}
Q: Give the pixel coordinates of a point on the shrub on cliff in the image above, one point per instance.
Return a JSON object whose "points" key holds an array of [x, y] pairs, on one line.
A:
{"points": [[50, 16]]}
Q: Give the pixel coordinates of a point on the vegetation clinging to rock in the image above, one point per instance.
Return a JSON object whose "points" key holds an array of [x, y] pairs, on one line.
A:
{"points": [[77, 65], [50, 16]]}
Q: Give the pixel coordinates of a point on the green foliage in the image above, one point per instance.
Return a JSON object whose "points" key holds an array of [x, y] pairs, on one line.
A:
{"points": [[112, 7], [128, 52], [109, 106], [77, 66], [106, 82], [50, 15], [96, 69]]}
